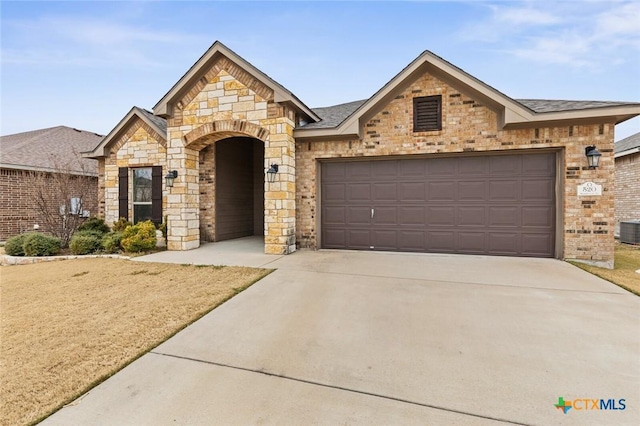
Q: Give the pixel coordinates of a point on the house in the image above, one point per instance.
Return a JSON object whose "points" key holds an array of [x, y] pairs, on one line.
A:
{"points": [[627, 163], [26, 158], [435, 161]]}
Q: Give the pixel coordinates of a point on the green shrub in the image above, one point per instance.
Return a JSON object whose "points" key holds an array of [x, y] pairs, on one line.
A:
{"points": [[13, 246], [91, 233], [95, 224], [36, 244], [139, 237], [111, 242], [85, 242], [121, 224]]}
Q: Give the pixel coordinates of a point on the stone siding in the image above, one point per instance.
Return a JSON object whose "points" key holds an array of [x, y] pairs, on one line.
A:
{"points": [[228, 102], [139, 146], [627, 188], [467, 127]]}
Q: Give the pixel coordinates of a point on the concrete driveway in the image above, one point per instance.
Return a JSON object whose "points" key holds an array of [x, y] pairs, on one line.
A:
{"points": [[341, 337]]}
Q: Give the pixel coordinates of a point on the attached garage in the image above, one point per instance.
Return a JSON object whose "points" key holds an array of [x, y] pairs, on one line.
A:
{"points": [[474, 204]]}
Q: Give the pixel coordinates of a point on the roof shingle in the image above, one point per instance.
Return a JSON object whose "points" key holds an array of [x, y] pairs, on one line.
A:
{"points": [[47, 149], [626, 144]]}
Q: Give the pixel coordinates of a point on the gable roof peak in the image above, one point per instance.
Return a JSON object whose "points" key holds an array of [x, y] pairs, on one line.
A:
{"points": [[209, 58]]}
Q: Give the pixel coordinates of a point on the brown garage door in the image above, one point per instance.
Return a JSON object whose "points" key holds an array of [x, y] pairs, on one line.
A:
{"points": [[497, 205]]}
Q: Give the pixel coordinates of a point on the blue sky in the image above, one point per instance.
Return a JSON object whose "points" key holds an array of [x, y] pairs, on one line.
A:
{"points": [[84, 64]]}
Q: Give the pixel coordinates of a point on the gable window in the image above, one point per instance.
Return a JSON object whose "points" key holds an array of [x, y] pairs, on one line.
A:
{"points": [[145, 196], [427, 113]]}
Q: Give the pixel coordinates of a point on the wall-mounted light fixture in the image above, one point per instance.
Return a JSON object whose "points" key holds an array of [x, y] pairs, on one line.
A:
{"points": [[170, 177], [593, 156], [271, 173]]}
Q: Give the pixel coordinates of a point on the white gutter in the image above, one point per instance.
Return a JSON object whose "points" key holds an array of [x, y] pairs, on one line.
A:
{"points": [[627, 152], [45, 169]]}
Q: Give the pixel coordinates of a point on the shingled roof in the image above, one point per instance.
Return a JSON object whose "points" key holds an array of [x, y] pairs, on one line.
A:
{"points": [[332, 116], [631, 144], [49, 150]]}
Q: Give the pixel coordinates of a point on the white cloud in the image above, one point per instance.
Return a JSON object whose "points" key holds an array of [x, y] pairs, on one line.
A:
{"points": [[577, 34], [89, 42]]}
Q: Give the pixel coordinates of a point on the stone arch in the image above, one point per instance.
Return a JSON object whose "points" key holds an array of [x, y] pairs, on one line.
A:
{"points": [[209, 133]]}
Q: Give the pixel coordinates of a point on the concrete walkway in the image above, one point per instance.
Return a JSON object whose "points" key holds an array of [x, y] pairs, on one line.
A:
{"points": [[343, 337]]}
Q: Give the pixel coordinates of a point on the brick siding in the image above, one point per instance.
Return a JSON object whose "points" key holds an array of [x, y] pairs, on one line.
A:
{"points": [[18, 212], [627, 189]]}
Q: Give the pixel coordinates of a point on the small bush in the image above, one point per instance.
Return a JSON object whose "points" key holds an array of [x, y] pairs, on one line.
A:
{"points": [[36, 244], [121, 224], [95, 224], [91, 233], [139, 237], [85, 243], [111, 242], [13, 246]]}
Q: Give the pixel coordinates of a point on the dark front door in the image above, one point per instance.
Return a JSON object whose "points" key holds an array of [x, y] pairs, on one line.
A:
{"points": [[491, 204]]}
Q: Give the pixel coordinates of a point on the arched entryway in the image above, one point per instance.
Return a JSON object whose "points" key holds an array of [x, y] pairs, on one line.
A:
{"points": [[239, 188]]}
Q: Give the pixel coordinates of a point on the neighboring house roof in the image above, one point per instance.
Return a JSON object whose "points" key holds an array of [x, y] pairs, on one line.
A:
{"points": [[52, 150], [158, 124], [347, 119], [627, 146], [281, 94]]}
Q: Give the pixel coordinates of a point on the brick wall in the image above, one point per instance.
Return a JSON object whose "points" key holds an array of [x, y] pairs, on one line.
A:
{"points": [[627, 189], [468, 126], [18, 212]]}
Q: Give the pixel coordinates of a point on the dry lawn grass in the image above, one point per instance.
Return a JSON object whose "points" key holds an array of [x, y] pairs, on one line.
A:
{"points": [[68, 325], [627, 261]]}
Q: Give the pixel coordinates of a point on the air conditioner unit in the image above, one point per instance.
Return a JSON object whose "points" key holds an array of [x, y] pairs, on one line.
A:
{"points": [[630, 232]]}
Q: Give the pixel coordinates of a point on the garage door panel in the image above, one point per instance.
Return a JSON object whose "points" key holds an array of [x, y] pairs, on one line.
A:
{"points": [[538, 164], [480, 204], [335, 238], [411, 215], [537, 216], [509, 165], [501, 216], [504, 190], [358, 215], [472, 216], [359, 239], [358, 192], [334, 192], [503, 243], [471, 242], [441, 190], [409, 168], [334, 215], [385, 191], [412, 191], [360, 170], [441, 216], [385, 216], [334, 172], [384, 239], [441, 241], [471, 190], [536, 244], [411, 240], [538, 190], [472, 166], [441, 167]]}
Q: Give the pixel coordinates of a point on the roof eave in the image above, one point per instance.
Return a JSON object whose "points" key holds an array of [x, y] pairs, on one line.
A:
{"points": [[45, 169], [627, 152], [617, 114], [101, 150]]}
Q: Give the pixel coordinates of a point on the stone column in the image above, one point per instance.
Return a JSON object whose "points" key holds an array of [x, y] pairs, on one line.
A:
{"points": [[183, 227], [280, 196]]}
